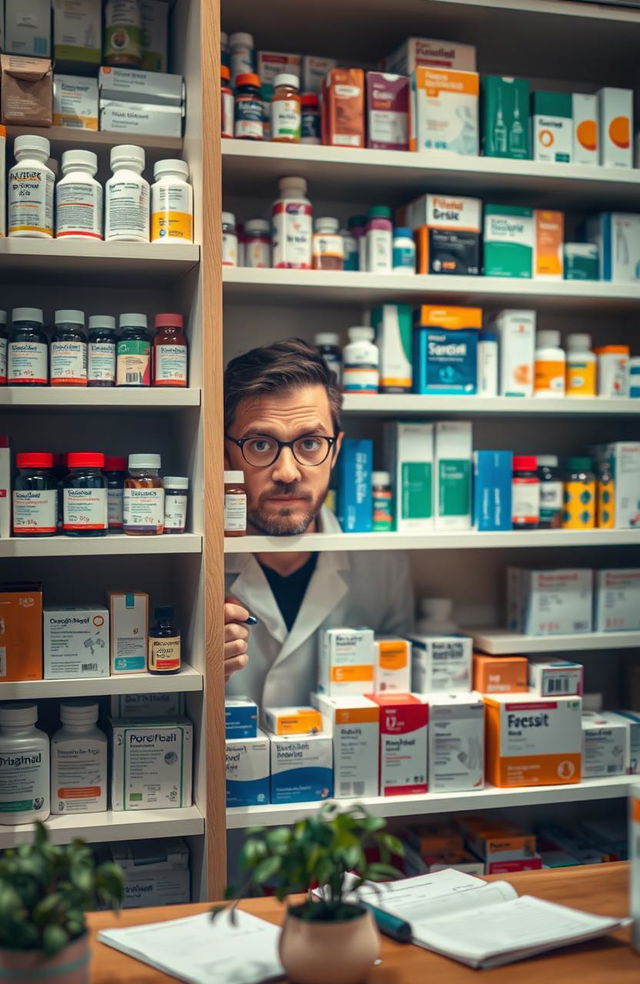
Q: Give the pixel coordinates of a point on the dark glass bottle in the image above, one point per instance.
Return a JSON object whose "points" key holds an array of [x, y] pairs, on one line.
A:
{"points": [[35, 496], [133, 351], [101, 367], [85, 496], [164, 643], [28, 353]]}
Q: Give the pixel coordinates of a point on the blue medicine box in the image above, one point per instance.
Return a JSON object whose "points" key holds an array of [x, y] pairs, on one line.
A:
{"points": [[445, 362], [492, 474], [355, 498], [240, 718]]}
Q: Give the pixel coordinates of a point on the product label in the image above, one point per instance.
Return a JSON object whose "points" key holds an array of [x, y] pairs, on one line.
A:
{"points": [[360, 378], [227, 114], [164, 654], [85, 509], [127, 209], [30, 200], [144, 510], [310, 127], [101, 362], [150, 766], [379, 251], [581, 377], [327, 245], [292, 235], [248, 122], [123, 31], [170, 365], [579, 511], [551, 503], [235, 512], [79, 210], [115, 508], [3, 360], [606, 505], [27, 362], [257, 254], [171, 210], [24, 780], [68, 363], [35, 511], [382, 511], [525, 501], [285, 119], [133, 363], [78, 776], [404, 258], [175, 513], [229, 249], [549, 377]]}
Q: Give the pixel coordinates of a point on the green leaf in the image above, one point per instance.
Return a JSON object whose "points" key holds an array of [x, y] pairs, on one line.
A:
{"points": [[54, 938], [267, 869]]}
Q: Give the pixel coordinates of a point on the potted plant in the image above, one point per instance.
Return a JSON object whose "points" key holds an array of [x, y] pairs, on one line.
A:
{"points": [[319, 853], [45, 890]]}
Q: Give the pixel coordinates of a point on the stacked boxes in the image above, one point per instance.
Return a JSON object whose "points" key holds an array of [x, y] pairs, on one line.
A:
{"points": [[155, 872], [441, 664], [549, 602], [137, 103]]}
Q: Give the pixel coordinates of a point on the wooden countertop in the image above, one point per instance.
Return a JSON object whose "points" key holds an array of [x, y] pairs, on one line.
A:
{"points": [[600, 888]]}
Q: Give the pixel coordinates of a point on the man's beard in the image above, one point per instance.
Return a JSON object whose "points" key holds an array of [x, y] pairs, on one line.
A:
{"points": [[284, 522]]}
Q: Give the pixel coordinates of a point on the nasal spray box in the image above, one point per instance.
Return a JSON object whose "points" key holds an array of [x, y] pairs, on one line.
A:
{"points": [[516, 333], [353, 724], [355, 503], [508, 241], [394, 332], [550, 677], [392, 665], [617, 600], [604, 741], [552, 127], [533, 742], [456, 742], [247, 770], [408, 452], [445, 110], [615, 108], [453, 456], [441, 664], [240, 718], [586, 148], [404, 723], [505, 117], [301, 768], [76, 642], [346, 662], [152, 763]]}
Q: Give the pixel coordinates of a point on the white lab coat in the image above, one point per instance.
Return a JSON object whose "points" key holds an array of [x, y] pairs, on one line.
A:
{"points": [[371, 588]]}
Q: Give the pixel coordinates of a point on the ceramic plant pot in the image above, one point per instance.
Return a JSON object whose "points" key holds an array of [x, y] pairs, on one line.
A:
{"points": [[70, 966], [328, 952]]}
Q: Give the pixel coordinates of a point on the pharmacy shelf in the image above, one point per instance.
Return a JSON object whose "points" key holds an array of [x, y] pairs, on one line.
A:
{"points": [[342, 173], [422, 805], [503, 642], [187, 680], [69, 138], [329, 287], [54, 261], [111, 826], [437, 540], [409, 404], [116, 544], [62, 398]]}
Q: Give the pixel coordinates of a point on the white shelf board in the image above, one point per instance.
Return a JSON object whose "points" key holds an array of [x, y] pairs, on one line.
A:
{"points": [[402, 404], [422, 805], [111, 826], [436, 540], [503, 642], [101, 546], [330, 287], [67, 138], [61, 398], [187, 680]]}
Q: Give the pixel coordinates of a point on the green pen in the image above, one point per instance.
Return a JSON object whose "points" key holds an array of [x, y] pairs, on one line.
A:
{"points": [[394, 927]]}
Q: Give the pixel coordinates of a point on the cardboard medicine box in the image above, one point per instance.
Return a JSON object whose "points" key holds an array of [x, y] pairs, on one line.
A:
{"points": [[387, 111], [508, 241], [497, 840], [548, 256], [516, 333], [604, 741], [314, 70], [435, 838], [404, 724], [394, 337], [20, 632], [355, 495], [441, 664], [632, 746], [240, 717], [615, 116], [292, 720], [428, 51], [27, 28], [346, 662], [550, 602], [500, 674], [456, 742], [445, 111], [617, 236], [446, 362], [155, 873], [492, 478], [129, 617], [581, 261], [353, 724], [76, 642], [152, 763], [586, 148], [552, 127], [343, 108], [452, 485], [248, 770], [273, 63], [448, 233], [27, 90], [301, 768], [506, 128], [133, 85], [550, 677], [617, 600], [77, 35], [392, 665], [143, 706], [409, 455], [75, 102], [141, 118], [624, 457]]}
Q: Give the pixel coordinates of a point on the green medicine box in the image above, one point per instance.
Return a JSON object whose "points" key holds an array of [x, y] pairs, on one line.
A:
{"points": [[581, 261], [508, 241], [552, 115], [505, 117]]}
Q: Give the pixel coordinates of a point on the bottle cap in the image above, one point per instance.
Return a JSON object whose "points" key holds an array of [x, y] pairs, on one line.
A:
{"points": [[547, 338], [327, 224], [85, 460], [78, 711], [241, 37], [115, 463], [379, 212], [28, 314], [133, 320], [228, 218], [309, 99], [293, 184], [613, 350], [231, 477], [68, 317], [257, 226], [437, 607], [578, 342], [403, 232], [357, 221], [171, 165], [127, 154], [361, 334], [145, 461], [225, 72], [175, 482], [247, 78], [487, 336], [102, 321], [169, 321], [30, 143], [83, 159], [380, 478], [525, 462], [18, 713], [579, 463], [547, 460], [38, 459], [285, 78], [327, 338]]}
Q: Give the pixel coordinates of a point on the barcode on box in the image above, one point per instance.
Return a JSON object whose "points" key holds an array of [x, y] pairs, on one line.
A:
{"points": [[87, 667], [558, 685], [133, 377], [581, 626], [345, 789]]}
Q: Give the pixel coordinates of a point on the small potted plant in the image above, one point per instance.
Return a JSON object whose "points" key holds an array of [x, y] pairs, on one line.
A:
{"points": [[45, 890], [319, 853]]}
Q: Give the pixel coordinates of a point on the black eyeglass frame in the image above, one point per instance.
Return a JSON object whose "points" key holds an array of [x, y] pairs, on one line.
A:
{"points": [[240, 442]]}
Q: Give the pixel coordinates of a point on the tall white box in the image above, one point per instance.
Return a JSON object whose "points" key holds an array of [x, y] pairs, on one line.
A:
{"points": [[516, 334], [27, 28], [453, 466], [346, 662], [248, 770], [354, 726], [616, 127], [404, 729], [586, 148], [76, 642], [550, 602], [441, 664], [456, 742], [617, 600], [604, 742], [75, 102], [151, 764], [408, 451]]}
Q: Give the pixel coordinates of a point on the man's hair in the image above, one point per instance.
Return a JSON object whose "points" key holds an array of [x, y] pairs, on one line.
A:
{"points": [[272, 368]]}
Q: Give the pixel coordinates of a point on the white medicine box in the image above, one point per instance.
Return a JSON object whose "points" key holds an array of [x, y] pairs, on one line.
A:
{"points": [[151, 764], [456, 742], [548, 678], [617, 600], [346, 662], [441, 664], [76, 642], [353, 724]]}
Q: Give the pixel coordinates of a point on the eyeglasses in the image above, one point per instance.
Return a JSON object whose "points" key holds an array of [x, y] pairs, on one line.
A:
{"points": [[262, 450]]}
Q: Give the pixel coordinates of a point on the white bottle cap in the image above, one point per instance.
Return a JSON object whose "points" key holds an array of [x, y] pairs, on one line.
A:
{"points": [[286, 79], [228, 218], [327, 338], [327, 224], [293, 184], [171, 166], [145, 461], [69, 318], [28, 314], [231, 477], [30, 143], [83, 159], [133, 320], [257, 225], [175, 482], [127, 154], [3, 317], [548, 460], [440, 608], [79, 712], [241, 37], [547, 338], [18, 713], [361, 334], [102, 321], [579, 342], [380, 478]]}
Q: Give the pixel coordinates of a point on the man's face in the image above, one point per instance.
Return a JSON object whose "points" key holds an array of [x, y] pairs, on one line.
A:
{"points": [[285, 497]]}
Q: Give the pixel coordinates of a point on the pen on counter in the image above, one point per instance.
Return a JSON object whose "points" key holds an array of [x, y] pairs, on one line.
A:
{"points": [[392, 926], [252, 620]]}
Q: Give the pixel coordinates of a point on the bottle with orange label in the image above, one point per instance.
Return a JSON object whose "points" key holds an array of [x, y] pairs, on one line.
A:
{"points": [[581, 366], [579, 507], [171, 203], [549, 365]]}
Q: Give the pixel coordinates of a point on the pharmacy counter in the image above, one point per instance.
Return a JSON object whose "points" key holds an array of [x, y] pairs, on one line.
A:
{"points": [[599, 888]]}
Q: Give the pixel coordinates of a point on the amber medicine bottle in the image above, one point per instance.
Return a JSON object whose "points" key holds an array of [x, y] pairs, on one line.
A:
{"points": [[143, 496], [235, 504]]}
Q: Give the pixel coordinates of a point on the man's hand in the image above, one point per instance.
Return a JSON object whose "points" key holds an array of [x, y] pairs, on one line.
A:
{"points": [[236, 636]]}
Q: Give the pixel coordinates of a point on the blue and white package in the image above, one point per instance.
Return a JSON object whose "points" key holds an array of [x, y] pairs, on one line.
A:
{"points": [[492, 474], [445, 362], [301, 768], [247, 765], [355, 495], [617, 236], [240, 718]]}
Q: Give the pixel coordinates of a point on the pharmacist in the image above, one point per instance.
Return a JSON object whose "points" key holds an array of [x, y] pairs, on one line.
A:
{"points": [[282, 429]]}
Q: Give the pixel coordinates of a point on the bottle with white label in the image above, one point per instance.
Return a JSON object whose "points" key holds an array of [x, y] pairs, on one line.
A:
{"points": [[292, 226], [487, 364], [171, 203], [360, 362], [175, 503], [229, 240], [79, 197], [101, 350], [78, 760], [169, 351], [31, 182], [28, 352], [24, 765], [35, 496], [85, 495], [549, 365], [379, 239], [68, 350], [144, 496], [127, 197], [241, 47]]}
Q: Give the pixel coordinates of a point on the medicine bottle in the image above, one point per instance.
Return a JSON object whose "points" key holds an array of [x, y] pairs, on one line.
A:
{"points": [[266, 92], [68, 350], [257, 244], [360, 362], [241, 47], [634, 373], [79, 197], [240, 234], [169, 351], [357, 225], [226, 108], [350, 250], [133, 351], [144, 496], [310, 119], [171, 203], [291, 226], [403, 251], [379, 238], [551, 492], [327, 251], [123, 33], [164, 655], [382, 502], [605, 496], [436, 617], [581, 366], [613, 370], [286, 109], [229, 240], [235, 504], [78, 760], [175, 503], [85, 496], [579, 510], [328, 345], [127, 197], [4, 345], [248, 112], [487, 364], [28, 352], [35, 496], [549, 365], [24, 765], [31, 181], [101, 350], [115, 469], [525, 492]]}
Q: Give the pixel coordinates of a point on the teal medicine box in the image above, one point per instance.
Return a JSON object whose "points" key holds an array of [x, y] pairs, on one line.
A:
{"points": [[508, 241], [505, 117]]}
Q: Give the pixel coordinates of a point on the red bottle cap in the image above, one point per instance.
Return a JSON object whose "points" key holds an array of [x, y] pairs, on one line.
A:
{"points": [[115, 464], [169, 321], [82, 460], [225, 73], [525, 462], [309, 99], [248, 78], [39, 459]]}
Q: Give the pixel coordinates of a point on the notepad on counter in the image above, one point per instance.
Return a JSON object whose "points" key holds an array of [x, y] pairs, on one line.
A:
{"points": [[199, 951]]}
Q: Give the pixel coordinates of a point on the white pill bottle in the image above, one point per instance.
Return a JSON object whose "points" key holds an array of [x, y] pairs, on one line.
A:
{"points": [[291, 221], [360, 361], [31, 181], [79, 760], [171, 203], [127, 197], [79, 197], [24, 765]]}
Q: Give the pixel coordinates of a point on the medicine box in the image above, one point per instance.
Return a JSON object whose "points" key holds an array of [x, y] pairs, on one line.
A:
{"points": [[516, 333], [533, 742], [505, 117], [552, 127], [586, 148], [465, 861], [441, 664], [500, 674], [292, 720], [548, 255], [343, 108], [240, 718], [141, 118], [456, 742], [314, 70], [435, 838], [76, 642], [163, 854], [346, 662], [445, 110], [445, 362], [27, 28], [492, 476], [604, 745], [573, 841], [452, 485], [427, 51], [140, 706], [550, 677], [617, 600], [155, 35], [632, 747], [77, 35], [549, 602], [155, 872], [301, 768], [408, 452], [272, 63], [448, 234], [615, 115], [497, 841], [353, 724], [75, 102], [392, 665], [394, 335], [20, 632], [624, 459], [152, 764], [508, 241], [129, 619], [355, 501], [132, 85], [617, 236], [248, 770], [581, 261], [404, 723], [388, 111]]}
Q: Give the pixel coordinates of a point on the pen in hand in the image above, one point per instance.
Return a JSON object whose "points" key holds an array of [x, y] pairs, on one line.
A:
{"points": [[252, 620]]}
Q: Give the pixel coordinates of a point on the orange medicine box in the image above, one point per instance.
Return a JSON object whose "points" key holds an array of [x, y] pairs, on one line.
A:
{"points": [[450, 318], [533, 742], [343, 108], [392, 671], [499, 674], [436, 838], [548, 249], [20, 632], [497, 840]]}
